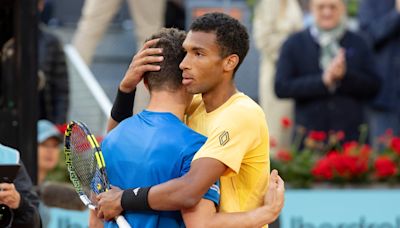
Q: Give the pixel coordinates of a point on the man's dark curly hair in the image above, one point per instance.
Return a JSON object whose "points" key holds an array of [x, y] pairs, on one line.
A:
{"points": [[170, 76], [232, 36]]}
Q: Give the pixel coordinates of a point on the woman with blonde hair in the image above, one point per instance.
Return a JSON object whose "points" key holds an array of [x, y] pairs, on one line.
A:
{"points": [[274, 21]]}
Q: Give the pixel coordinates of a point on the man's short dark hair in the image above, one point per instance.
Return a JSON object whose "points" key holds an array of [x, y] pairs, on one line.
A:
{"points": [[170, 76], [232, 36]]}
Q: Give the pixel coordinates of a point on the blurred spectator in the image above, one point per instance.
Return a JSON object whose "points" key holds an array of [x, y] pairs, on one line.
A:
{"points": [[328, 71], [270, 30], [96, 15], [380, 23], [46, 13], [59, 196], [49, 140], [50, 195], [307, 17], [53, 76], [175, 14], [19, 195]]}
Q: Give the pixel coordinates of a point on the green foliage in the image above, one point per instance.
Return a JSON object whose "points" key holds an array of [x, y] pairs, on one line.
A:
{"points": [[297, 172], [352, 7]]}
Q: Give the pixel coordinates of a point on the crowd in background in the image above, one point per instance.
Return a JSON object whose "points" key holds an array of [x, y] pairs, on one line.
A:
{"points": [[316, 67], [338, 79]]}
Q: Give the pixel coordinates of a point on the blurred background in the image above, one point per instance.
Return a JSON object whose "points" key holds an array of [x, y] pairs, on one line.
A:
{"points": [[326, 73]]}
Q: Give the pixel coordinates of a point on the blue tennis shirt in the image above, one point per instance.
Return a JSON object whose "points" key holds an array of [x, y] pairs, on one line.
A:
{"points": [[148, 149]]}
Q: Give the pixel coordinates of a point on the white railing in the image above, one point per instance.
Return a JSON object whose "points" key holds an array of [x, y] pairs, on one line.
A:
{"points": [[88, 101]]}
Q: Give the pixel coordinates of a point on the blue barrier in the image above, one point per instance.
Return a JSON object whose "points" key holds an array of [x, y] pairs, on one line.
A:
{"points": [[375, 208], [62, 218]]}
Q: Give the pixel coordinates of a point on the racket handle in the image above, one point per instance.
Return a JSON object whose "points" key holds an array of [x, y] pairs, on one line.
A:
{"points": [[121, 221]]}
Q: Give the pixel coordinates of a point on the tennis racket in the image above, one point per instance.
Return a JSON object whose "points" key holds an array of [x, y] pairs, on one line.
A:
{"points": [[86, 166]]}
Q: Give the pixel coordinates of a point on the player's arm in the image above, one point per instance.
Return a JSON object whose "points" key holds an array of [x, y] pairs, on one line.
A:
{"points": [[204, 214], [215, 160], [221, 155], [186, 191], [142, 62], [181, 193], [94, 222]]}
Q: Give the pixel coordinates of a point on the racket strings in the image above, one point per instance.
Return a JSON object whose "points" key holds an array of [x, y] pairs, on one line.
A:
{"points": [[83, 158]]}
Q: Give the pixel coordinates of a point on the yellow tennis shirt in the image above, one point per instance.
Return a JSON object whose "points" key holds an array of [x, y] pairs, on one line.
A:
{"points": [[238, 137]]}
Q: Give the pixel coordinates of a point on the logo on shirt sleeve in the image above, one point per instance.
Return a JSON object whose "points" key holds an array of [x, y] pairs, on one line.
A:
{"points": [[224, 138]]}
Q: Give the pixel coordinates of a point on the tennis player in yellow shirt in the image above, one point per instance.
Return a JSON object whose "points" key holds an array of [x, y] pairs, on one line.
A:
{"points": [[237, 149]]}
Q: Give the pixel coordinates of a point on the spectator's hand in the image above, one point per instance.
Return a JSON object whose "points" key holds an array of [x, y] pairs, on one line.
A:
{"points": [[9, 195], [339, 65], [275, 196], [142, 62], [109, 203], [398, 5], [328, 78], [336, 70]]}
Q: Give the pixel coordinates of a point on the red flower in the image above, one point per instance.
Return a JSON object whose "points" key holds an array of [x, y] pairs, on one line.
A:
{"points": [[384, 167], [340, 135], [389, 132], [284, 156], [317, 135], [350, 147], [323, 169], [365, 151], [286, 122], [395, 145], [343, 165]]}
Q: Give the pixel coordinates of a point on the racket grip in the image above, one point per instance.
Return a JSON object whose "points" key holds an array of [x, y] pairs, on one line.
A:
{"points": [[121, 221]]}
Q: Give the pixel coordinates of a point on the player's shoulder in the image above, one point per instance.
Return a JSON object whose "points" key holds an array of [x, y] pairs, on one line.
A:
{"points": [[119, 131], [241, 105], [192, 136], [189, 141]]}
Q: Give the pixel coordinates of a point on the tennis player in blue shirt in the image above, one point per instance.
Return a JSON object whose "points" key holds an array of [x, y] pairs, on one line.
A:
{"points": [[155, 145]]}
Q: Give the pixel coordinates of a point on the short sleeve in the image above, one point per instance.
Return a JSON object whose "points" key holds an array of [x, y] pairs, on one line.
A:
{"points": [[189, 152], [231, 137], [213, 192]]}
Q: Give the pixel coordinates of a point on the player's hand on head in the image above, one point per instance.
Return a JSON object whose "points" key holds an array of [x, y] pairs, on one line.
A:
{"points": [[9, 195], [144, 61], [109, 203], [275, 196]]}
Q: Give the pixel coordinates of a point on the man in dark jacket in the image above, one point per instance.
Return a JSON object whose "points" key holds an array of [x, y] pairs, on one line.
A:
{"points": [[19, 195], [328, 71], [380, 24], [53, 76]]}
